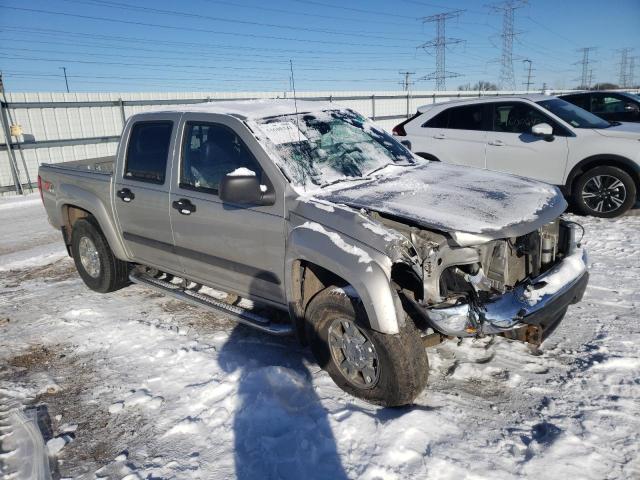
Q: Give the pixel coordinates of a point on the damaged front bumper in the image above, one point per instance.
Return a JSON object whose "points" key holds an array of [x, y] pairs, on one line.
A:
{"points": [[540, 301]]}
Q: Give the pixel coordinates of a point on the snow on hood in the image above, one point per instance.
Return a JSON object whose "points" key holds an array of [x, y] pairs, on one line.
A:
{"points": [[624, 130], [456, 199]]}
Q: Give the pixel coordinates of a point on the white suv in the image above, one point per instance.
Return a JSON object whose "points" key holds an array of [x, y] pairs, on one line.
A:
{"points": [[595, 163]]}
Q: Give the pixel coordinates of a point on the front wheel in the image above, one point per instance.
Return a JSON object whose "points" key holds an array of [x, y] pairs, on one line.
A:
{"points": [[604, 192], [383, 369]]}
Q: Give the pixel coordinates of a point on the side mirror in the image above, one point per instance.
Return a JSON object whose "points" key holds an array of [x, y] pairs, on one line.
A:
{"points": [[631, 107], [543, 130], [244, 190]]}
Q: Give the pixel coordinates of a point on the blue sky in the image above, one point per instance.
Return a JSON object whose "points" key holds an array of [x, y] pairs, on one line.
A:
{"points": [[231, 45]]}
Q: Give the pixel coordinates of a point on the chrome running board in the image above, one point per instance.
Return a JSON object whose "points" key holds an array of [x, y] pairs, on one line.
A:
{"points": [[242, 315]]}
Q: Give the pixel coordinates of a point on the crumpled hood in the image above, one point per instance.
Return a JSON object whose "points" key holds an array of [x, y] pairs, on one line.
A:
{"points": [[450, 198], [624, 130]]}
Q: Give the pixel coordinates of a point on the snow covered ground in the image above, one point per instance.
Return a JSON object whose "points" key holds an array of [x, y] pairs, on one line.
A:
{"points": [[140, 386]]}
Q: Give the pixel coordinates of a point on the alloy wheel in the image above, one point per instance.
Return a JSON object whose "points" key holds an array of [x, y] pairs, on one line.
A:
{"points": [[89, 257], [604, 193], [353, 353]]}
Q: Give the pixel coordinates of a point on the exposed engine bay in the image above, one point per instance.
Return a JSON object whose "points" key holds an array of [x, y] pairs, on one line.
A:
{"points": [[445, 275]]}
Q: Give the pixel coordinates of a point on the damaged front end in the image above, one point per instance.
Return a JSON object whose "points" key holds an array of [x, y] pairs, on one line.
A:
{"points": [[472, 285]]}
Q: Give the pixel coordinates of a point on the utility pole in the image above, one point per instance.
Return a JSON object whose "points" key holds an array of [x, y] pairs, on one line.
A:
{"points": [[64, 69], [623, 77], [528, 83], [440, 44], [406, 83], [632, 67], [585, 80], [507, 8]]}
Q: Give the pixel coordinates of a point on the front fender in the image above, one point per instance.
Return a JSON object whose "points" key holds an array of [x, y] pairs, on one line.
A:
{"points": [[72, 195], [365, 269]]}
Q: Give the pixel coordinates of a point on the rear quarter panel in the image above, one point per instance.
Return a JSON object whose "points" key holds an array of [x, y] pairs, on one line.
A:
{"points": [[88, 190]]}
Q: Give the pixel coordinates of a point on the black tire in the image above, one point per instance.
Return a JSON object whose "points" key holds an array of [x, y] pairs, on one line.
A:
{"points": [[113, 273], [612, 202], [402, 366]]}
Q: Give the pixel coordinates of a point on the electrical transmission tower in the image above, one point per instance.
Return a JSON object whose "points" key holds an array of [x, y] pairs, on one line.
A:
{"points": [[632, 67], [440, 44], [507, 8], [586, 77], [528, 83], [406, 82], [623, 78]]}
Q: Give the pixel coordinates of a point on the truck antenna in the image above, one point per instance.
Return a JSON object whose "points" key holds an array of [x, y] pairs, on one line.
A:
{"points": [[295, 103], [295, 99]]}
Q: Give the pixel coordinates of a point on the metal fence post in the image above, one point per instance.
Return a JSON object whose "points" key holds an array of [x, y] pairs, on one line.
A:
{"points": [[122, 115], [373, 107], [10, 153]]}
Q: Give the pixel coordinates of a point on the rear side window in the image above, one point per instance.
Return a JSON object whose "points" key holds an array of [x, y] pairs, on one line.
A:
{"points": [[441, 120], [469, 117], [148, 151], [581, 101], [607, 104]]}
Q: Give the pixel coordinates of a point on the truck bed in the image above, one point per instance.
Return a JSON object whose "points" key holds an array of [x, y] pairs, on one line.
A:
{"points": [[97, 164]]}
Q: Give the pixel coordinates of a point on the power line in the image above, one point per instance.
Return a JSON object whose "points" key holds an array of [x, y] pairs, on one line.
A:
{"points": [[304, 14], [155, 42], [219, 57], [273, 63], [507, 7], [439, 44], [194, 29], [174, 13], [351, 9]]}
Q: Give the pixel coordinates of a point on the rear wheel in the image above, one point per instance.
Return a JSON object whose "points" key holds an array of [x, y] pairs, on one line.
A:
{"points": [[98, 267], [605, 192], [388, 370]]}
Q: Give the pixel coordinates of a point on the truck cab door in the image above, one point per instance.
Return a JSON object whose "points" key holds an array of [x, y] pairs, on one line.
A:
{"points": [[141, 190], [237, 248]]}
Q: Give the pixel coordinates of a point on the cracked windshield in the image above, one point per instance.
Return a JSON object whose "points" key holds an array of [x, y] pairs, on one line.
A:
{"points": [[323, 148]]}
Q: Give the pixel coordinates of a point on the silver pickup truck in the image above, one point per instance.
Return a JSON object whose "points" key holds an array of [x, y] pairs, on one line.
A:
{"points": [[306, 218]]}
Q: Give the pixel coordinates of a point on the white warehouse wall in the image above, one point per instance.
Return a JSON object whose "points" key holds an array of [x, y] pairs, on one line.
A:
{"points": [[41, 123]]}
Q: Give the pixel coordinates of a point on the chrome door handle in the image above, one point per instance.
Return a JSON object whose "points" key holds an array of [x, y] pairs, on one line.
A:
{"points": [[497, 143], [184, 206]]}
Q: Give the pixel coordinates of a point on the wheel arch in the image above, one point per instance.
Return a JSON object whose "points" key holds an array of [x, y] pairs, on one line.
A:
{"points": [[313, 259], [608, 160], [72, 212]]}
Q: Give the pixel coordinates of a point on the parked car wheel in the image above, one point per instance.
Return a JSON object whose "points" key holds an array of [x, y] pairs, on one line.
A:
{"points": [[605, 192], [94, 260], [383, 369]]}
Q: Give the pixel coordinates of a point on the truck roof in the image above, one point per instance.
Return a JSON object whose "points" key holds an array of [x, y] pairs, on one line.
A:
{"points": [[247, 109]]}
